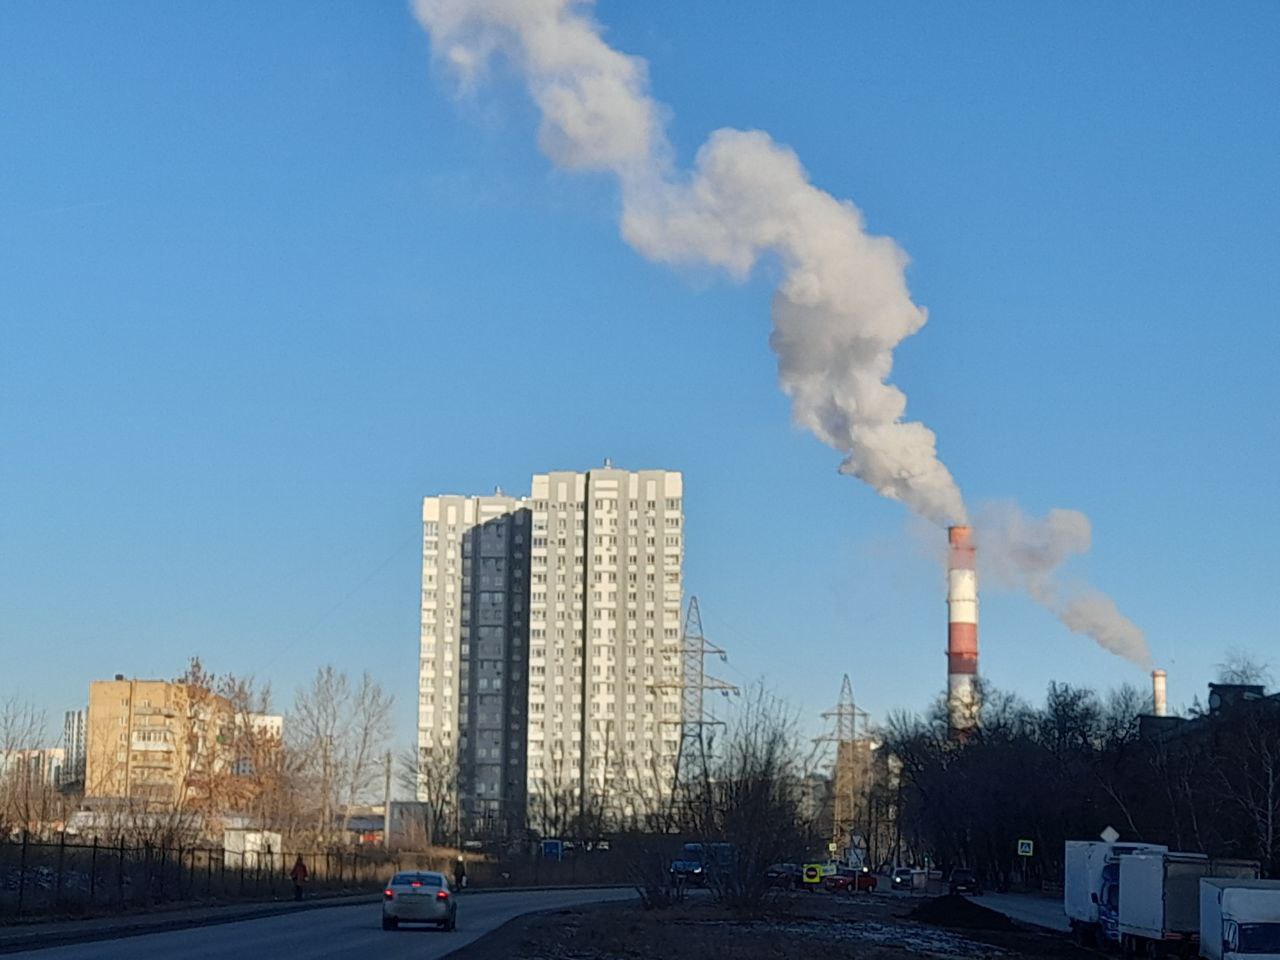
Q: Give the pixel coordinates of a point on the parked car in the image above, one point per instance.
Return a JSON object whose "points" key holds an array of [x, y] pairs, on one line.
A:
{"points": [[849, 880], [964, 880], [419, 897], [785, 875], [703, 863], [900, 879]]}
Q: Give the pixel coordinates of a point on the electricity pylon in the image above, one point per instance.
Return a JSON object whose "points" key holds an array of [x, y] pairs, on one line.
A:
{"points": [[846, 736]]}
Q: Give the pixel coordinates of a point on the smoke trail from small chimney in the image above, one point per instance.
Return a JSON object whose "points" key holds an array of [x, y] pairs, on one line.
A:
{"points": [[842, 306], [1029, 552]]}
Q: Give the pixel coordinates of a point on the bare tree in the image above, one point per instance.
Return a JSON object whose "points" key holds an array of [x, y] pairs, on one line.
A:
{"points": [[431, 775], [26, 795], [1246, 763], [553, 797], [747, 797], [648, 829], [368, 731], [338, 734], [1243, 667]]}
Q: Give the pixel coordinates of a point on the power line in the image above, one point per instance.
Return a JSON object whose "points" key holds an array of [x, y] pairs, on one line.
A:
{"points": [[338, 604]]}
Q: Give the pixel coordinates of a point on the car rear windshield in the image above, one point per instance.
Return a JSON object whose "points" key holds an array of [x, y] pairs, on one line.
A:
{"points": [[426, 879]]}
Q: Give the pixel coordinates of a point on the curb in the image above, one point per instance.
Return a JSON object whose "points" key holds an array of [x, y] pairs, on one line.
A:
{"points": [[142, 924], [153, 923]]}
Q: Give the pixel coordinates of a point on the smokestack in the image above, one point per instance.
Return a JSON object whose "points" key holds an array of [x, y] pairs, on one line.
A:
{"points": [[1158, 693], [962, 631]]}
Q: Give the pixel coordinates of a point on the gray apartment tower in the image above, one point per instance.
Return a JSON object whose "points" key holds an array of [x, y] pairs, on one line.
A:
{"points": [[472, 704], [551, 649]]}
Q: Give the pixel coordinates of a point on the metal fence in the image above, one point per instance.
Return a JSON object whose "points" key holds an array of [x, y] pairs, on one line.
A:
{"points": [[69, 876]]}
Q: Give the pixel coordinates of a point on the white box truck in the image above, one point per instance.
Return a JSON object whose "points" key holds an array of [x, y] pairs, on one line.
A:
{"points": [[1160, 897], [1239, 919], [1086, 881]]}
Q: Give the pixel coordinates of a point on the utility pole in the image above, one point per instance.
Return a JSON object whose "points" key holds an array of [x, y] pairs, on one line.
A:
{"points": [[386, 805]]}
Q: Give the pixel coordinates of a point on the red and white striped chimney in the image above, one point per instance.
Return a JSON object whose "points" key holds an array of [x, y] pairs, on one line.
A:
{"points": [[962, 631]]}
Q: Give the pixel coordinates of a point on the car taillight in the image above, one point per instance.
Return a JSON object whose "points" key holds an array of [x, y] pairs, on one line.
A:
{"points": [[442, 895], [388, 894]]}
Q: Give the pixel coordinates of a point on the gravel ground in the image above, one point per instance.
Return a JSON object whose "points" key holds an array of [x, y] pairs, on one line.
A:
{"points": [[864, 927]]}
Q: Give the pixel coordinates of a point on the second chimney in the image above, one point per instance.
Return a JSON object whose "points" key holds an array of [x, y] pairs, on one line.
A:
{"points": [[1159, 698]]}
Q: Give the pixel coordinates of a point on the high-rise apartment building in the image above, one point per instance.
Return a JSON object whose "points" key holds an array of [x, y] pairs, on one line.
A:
{"points": [[74, 729], [604, 643], [473, 665]]}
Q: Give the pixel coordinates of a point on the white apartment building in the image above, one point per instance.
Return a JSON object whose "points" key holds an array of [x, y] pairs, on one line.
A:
{"points": [[74, 727], [604, 643], [33, 765], [473, 658]]}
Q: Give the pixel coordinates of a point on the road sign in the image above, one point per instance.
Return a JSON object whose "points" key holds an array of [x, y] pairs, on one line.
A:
{"points": [[828, 869], [553, 849], [1026, 848], [1110, 835], [831, 847], [812, 873]]}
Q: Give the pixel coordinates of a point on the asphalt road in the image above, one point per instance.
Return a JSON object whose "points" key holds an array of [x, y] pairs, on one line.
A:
{"points": [[1037, 911], [346, 932]]}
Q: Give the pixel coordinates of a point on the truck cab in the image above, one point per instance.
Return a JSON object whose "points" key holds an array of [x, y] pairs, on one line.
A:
{"points": [[1239, 919]]}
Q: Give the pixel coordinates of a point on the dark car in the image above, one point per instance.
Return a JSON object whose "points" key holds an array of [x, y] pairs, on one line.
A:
{"points": [[848, 880], [785, 875], [703, 863], [964, 880]]}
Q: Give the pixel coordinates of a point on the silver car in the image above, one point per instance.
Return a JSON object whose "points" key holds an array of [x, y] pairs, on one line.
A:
{"points": [[419, 897]]}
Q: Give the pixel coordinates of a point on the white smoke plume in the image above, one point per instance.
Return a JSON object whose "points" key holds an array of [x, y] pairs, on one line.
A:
{"points": [[842, 305], [1028, 553]]}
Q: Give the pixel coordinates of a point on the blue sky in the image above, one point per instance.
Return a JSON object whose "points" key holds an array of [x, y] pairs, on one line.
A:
{"points": [[264, 283]]}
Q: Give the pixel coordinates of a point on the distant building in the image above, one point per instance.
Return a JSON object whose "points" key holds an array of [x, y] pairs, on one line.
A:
{"points": [[137, 741], [604, 645], [550, 658], [409, 823], [74, 729], [267, 734], [473, 657], [170, 745], [32, 766], [268, 724]]}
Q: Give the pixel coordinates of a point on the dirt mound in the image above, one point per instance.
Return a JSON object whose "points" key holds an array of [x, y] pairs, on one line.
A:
{"points": [[959, 913]]}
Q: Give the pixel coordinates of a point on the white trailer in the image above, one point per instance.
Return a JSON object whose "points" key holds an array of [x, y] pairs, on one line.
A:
{"points": [[1082, 880], [1239, 919], [1160, 898]]}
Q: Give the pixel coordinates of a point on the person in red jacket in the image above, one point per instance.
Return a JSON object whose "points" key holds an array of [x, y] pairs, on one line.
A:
{"points": [[299, 876]]}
